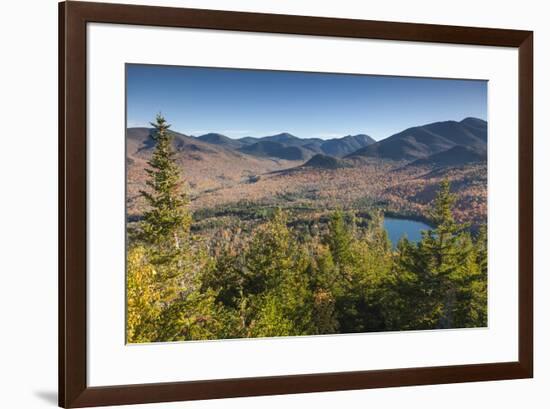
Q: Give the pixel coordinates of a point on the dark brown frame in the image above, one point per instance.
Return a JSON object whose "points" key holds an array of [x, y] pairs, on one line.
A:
{"points": [[73, 389]]}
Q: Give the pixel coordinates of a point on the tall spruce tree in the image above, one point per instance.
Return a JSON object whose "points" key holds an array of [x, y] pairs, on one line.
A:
{"points": [[178, 259], [439, 276], [340, 239], [362, 261], [445, 250], [167, 222]]}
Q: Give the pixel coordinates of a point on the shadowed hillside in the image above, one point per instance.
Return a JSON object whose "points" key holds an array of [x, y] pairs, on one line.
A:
{"points": [[346, 145], [290, 140], [423, 141], [303, 148], [477, 126], [219, 139], [457, 155], [276, 150], [207, 167], [321, 161]]}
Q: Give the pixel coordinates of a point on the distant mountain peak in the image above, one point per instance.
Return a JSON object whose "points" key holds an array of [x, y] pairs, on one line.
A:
{"points": [[361, 136], [302, 148], [471, 119], [285, 134], [271, 148], [209, 134], [282, 137], [422, 141], [321, 161], [348, 144], [219, 139]]}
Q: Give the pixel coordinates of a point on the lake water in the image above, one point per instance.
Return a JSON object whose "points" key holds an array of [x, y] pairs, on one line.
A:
{"points": [[398, 228]]}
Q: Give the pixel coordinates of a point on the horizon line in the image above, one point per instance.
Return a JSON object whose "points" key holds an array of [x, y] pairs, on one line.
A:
{"points": [[267, 135]]}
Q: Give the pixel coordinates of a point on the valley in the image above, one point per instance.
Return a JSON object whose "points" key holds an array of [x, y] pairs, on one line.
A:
{"points": [[235, 181]]}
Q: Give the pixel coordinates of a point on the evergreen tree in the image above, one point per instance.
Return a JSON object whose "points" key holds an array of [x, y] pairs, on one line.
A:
{"points": [[271, 256], [470, 307], [227, 275], [364, 268], [481, 250], [165, 228], [167, 222], [276, 288], [402, 308], [178, 259], [471, 282], [374, 262], [323, 279], [376, 235], [195, 316], [339, 239], [438, 275]]}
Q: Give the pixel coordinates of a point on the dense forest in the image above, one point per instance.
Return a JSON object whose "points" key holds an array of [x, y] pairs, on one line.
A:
{"points": [[280, 280]]}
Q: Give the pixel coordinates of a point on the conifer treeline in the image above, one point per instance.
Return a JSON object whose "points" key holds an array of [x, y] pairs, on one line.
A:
{"points": [[273, 283]]}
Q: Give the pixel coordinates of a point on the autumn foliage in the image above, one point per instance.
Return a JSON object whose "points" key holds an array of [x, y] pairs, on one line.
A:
{"points": [[286, 273]]}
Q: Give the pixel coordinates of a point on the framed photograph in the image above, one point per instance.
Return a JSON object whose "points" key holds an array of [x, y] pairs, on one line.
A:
{"points": [[255, 204]]}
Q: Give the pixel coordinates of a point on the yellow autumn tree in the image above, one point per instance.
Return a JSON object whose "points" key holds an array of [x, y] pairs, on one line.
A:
{"points": [[143, 298]]}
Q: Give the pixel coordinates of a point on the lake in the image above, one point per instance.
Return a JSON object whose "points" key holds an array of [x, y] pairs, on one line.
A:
{"points": [[398, 228]]}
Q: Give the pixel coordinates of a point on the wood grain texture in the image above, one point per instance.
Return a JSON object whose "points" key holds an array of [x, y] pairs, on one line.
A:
{"points": [[525, 216], [73, 17]]}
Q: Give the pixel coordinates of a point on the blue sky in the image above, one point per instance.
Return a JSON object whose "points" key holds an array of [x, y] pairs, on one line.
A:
{"points": [[240, 103]]}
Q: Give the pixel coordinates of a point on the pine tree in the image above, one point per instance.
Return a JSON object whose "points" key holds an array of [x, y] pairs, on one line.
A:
{"points": [[195, 316], [402, 308], [436, 275], [323, 278], [376, 235], [481, 249], [167, 222], [470, 306], [340, 239], [178, 259], [374, 262], [363, 261], [165, 228], [276, 289], [270, 256], [227, 275]]}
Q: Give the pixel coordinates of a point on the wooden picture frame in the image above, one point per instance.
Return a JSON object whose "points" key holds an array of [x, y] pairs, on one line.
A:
{"points": [[73, 388]]}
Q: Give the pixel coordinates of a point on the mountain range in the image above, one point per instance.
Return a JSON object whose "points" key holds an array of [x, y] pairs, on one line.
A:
{"points": [[288, 146], [421, 142], [446, 143], [402, 171]]}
